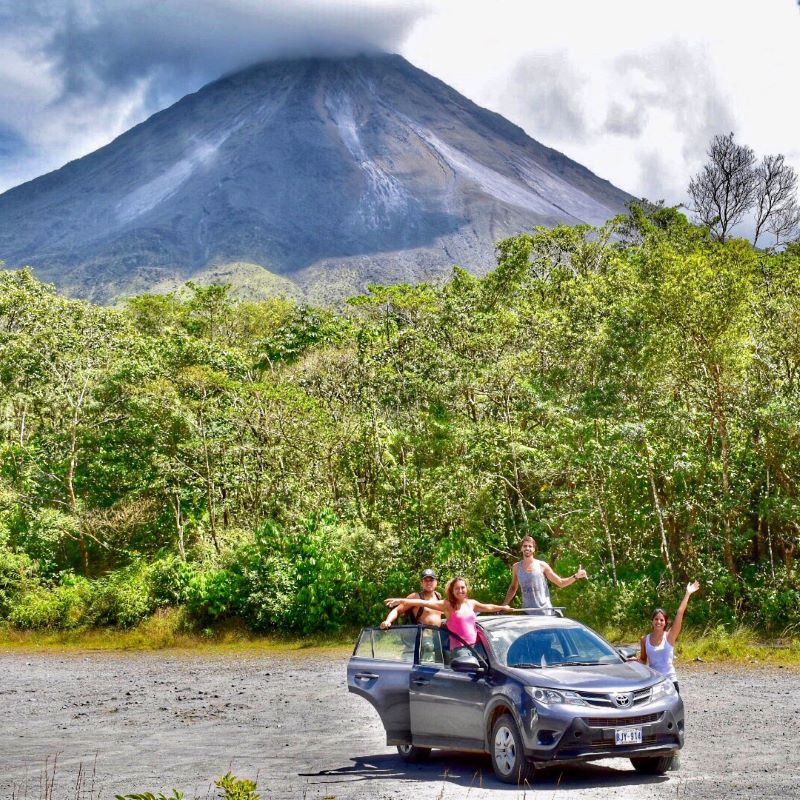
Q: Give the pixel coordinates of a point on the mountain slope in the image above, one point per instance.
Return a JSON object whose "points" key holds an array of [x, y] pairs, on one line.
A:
{"points": [[326, 172]]}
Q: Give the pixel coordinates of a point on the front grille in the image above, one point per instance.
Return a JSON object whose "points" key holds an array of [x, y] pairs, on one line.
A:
{"points": [[604, 700], [620, 722]]}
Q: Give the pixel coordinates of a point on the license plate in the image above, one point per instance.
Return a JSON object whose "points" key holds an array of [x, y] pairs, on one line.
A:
{"points": [[628, 736]]}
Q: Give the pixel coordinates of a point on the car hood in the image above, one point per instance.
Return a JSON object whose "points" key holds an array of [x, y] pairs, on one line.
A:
{"points": [[629, 675]]}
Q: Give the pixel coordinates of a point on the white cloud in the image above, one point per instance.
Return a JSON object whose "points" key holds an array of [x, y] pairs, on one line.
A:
{"points": [[76, 74], [630, 85], [632, 90]]}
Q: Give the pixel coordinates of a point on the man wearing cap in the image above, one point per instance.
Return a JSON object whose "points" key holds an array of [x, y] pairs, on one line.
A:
{"points": [[418, 615]]}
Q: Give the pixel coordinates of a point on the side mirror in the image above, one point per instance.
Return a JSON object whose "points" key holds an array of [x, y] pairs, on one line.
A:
{"points": [[629, 652], [466, 664]]}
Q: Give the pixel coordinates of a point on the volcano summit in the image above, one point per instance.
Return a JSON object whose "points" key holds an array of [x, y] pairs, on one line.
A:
{"points": [[310, 177]]}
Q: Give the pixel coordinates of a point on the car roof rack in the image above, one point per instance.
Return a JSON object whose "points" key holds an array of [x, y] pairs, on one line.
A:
{"points": [[550, 611]]}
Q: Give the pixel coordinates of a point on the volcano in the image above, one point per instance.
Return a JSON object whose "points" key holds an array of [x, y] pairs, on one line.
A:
{"points": [[306, 177]]}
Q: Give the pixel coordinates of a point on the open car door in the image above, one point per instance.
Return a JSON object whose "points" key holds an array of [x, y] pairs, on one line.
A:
{"points": [[379, 670], [447, 705]]}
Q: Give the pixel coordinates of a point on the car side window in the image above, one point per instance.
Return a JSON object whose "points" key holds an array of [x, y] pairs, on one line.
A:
{"points": [[393, 644], [438, 645], [431, 651]]}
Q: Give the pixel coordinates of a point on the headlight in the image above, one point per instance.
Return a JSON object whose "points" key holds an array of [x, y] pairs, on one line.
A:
{"points": [[663, 689], [552, 696]]}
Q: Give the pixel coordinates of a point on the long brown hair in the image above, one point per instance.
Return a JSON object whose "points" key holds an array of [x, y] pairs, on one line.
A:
{"points": [[451, 595]]}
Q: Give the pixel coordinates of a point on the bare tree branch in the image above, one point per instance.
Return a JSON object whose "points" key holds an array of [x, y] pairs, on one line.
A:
{"points": [[785, 225], [724, 189], [775, 197]]}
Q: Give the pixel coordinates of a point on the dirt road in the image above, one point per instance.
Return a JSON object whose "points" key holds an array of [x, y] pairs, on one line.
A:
{"points": [[150, 722]]}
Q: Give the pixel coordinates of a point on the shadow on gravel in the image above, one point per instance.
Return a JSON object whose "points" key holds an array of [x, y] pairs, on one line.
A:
{"points": [[473, 770]]}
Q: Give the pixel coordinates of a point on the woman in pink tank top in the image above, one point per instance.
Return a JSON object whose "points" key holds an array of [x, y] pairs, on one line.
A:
{"points": [[458, 608]]}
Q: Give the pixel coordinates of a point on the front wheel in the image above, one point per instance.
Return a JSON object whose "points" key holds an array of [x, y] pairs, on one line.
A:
{"points": [[412, 754], [652, 765], [508, 757]]}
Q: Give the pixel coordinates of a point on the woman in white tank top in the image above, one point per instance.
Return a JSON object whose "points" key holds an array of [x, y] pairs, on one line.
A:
{"points": [[658, 647]]}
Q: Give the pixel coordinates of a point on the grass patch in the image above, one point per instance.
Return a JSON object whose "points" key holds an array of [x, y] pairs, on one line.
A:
{"points": [[169, 630], [740, 645]]}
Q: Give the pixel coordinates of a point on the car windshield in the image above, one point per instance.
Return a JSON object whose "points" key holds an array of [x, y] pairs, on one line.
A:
{"points": [[534, 648]]}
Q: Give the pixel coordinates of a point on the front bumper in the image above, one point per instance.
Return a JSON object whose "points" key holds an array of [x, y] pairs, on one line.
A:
{"points": [[590, 733]]}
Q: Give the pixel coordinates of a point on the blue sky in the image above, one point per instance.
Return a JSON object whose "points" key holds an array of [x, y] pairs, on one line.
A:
{"points": [[633, 90]]}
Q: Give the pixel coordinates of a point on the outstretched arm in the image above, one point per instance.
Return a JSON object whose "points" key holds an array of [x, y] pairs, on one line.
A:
{"points": [[393, 615], [562, 583], [397, 611], [476, 606], [436, 605], [677, 623], [512, 589]]}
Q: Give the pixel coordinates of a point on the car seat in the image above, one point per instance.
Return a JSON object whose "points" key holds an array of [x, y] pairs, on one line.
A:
{"points": [[533, 648]]}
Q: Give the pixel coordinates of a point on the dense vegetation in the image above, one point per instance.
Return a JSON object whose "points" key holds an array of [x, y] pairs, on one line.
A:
{"points": [[628, 395]]}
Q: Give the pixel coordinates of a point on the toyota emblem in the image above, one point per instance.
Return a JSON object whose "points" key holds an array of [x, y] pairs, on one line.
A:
{"points": [[623, 700]]}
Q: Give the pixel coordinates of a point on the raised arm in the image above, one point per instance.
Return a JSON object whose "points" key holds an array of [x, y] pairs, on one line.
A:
{"points": [[562, 583], [512, 589], [677, 623], [436, 605]]}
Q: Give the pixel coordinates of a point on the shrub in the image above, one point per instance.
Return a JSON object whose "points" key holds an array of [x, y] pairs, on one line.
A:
{"points": [[623, 608], [216, 594], [45, 536], [237, 788], [774, 606], [17, 575], [169, 579], [122, 599], [63, 606], [233, 788], [307, 578]]}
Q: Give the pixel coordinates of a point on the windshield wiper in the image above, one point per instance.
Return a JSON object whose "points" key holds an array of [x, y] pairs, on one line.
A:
{"points": [[526, 665], [578, 664]]}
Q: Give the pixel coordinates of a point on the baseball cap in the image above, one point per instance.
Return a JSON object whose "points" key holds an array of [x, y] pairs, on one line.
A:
{"points": [[429, 573]]}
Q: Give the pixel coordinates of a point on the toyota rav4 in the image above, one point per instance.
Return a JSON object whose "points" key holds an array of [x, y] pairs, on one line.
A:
{"points": [[532, 691]]}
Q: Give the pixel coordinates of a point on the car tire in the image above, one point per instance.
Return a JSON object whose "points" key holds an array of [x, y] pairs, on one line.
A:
{"points": [[508, 756], [652, 765], [412, 754]]}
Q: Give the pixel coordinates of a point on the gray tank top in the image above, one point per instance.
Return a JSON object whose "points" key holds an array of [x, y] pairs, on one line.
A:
{"points": [[535, 592]]}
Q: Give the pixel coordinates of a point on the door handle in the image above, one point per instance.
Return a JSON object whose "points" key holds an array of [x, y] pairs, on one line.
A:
{"points": [[420, 682], [366, 676]]}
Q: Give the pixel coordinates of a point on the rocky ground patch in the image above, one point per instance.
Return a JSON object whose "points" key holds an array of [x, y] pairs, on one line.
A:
{"points": [[135, 722]]}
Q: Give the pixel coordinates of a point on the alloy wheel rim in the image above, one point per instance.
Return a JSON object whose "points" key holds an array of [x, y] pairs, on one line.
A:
{"points": [[505, 750]]}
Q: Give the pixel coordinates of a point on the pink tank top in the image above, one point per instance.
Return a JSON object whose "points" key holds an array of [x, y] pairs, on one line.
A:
{"points": [[463, 625]]}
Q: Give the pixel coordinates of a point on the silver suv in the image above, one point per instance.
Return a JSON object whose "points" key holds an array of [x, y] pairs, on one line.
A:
{"points": [[532, 691]]}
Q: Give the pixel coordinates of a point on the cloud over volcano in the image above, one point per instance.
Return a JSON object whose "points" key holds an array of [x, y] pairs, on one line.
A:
{"points": [[114, 62]]}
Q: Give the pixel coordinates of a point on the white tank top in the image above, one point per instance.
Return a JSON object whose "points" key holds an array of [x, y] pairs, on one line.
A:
{"points": [[659, 657]]}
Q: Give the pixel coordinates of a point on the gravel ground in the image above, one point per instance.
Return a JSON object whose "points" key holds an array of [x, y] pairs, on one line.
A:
{"points": [[141, 722]]}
